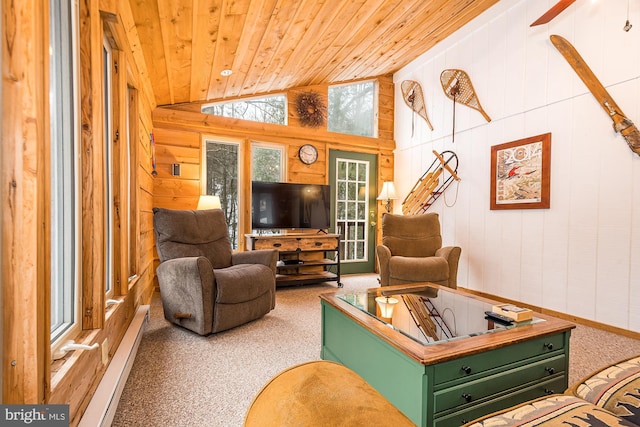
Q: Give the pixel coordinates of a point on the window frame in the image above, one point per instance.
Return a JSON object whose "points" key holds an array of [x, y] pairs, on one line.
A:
{"points": [[108, 62], [271, 146], [242, 194], [71, 281], [374, 106]]}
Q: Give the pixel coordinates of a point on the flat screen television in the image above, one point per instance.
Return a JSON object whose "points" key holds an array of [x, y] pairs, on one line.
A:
{"points": [[280, 205]]}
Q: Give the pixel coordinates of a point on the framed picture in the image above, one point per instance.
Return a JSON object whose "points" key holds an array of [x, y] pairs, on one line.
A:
{"points": [[520, 173]]}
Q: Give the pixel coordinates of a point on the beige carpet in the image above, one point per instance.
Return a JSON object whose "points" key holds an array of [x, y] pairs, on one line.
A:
{"points": [[182, 379]]}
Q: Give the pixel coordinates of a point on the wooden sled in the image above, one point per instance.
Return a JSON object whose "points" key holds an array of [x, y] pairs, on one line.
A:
{"points": [[439, 176]]}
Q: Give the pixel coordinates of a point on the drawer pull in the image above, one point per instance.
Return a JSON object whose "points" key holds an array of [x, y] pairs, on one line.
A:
{"points": [[548, 346], [467, 397], [277, 245], [318, 243], [466, 369], [549, 391], [551, 371]]}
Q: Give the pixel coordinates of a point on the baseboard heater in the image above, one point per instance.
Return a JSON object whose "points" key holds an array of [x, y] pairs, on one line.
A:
{"points": [[104, 402]]}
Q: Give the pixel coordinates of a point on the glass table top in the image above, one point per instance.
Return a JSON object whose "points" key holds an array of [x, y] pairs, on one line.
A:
{"points": [[427, 314]]}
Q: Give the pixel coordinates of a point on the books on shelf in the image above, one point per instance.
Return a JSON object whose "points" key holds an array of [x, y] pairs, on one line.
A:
{"points": [[511, 311]]}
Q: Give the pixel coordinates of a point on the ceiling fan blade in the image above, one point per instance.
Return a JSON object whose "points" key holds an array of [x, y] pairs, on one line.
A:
{"points": [[553, 12]]}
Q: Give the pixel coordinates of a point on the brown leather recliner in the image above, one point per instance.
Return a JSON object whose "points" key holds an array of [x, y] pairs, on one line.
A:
{"points": [[412, 251], [204, 286]]}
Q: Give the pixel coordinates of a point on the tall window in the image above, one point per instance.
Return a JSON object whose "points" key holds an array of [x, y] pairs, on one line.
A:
{"points": [[222, 172], [352, 109], [107, 67], [267, 162], [65, 299], [268, 109]]}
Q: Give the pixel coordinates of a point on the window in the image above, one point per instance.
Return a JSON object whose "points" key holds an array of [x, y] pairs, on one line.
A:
{"points": [[107, 67], [222, 172], [64, 138], [270, 109], [352, 109], [267, 162], [351, 208]]}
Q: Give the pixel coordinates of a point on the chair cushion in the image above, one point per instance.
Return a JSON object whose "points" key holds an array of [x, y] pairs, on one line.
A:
{"points": [[411, 235], [552, 411], [431, 269], [242, 282], [615, 388], [321, 393], [186, 233]]}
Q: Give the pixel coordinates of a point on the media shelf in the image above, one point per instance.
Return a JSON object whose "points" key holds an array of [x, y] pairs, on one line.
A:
{"points": [[302, 258]]}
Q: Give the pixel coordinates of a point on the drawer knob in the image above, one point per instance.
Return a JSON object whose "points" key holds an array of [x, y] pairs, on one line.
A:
{"points": [[466, 369], [551, 371], [318, 243], [548, 346], [277, 245], [467, 397], [549, 391]]}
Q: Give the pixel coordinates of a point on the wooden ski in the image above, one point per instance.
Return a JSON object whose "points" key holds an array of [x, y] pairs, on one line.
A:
{"points": [[553, 12], [620, 122]]}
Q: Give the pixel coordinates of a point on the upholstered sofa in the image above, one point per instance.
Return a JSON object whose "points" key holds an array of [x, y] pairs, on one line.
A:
{"points": [[608, 397]]}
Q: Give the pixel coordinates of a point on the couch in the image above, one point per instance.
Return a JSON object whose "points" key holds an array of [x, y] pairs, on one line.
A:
{"points": [[608, 397]]}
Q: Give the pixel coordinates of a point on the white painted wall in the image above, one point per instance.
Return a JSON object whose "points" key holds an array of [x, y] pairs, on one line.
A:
{"points": [[581, 256]]}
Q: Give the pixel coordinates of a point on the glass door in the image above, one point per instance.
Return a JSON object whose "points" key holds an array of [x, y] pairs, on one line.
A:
{"points": [[353, 191]]}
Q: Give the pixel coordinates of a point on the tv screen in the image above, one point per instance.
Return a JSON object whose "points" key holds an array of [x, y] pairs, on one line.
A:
{"points": [[286, 205]]}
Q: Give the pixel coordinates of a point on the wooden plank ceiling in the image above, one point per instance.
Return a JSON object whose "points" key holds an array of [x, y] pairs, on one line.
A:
{"points": [[273, 45]]}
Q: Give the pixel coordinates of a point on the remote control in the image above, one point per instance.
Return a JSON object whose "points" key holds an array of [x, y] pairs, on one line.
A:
{"points": [[498, 318]]}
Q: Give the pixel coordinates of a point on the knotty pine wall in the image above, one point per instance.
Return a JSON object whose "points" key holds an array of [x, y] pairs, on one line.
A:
{"points": [[28, 375], [580, 258], [179, 132]]}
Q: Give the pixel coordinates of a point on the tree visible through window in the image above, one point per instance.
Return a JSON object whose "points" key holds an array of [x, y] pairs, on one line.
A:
{"points": [[271, 109], [351, 109], [267, 163], [222, 181]]}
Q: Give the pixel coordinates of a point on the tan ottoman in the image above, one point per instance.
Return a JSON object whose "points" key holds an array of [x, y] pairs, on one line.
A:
{"points": [[321, 393]]}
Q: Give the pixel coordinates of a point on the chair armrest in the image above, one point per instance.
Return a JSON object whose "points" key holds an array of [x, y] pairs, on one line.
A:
{"points": [[452, 255], [187, 288], [267, 257], [383, 255]]}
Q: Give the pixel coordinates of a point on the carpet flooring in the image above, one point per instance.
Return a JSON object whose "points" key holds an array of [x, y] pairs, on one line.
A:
{"points": [[182, 379]]}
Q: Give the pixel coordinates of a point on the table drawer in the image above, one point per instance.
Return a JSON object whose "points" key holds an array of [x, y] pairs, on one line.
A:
{"points": [[472, 366], [274, 243], [479, 389], [318, 243], [503, 401]]}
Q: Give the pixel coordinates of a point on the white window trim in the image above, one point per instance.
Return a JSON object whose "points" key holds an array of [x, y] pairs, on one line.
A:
{"points": [[109, 220], [284, 163]]}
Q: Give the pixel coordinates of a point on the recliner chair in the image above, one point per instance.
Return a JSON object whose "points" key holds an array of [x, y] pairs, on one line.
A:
{"points": [[204, 286], [412, 251]]}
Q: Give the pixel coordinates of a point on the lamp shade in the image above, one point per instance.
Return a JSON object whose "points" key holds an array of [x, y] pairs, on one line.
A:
{"points": [[388, 191], [209, 202], [386, 305]]}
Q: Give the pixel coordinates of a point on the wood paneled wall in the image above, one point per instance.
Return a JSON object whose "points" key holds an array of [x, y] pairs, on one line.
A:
{"points": [[28, 375], [179, 132]]}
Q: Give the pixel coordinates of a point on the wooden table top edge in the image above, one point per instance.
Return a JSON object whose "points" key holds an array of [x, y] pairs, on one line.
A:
{"points": [[448, 350]]}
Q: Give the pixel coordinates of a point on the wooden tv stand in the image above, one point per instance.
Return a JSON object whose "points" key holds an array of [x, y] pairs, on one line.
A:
{"points": [[302, 258]]}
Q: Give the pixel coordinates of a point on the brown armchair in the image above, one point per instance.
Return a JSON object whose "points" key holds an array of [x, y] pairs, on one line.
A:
{"points": [[204, 286], [412, 251]]}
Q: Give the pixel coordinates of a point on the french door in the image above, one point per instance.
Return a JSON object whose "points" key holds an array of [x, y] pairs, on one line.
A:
{"points": [[352, 177]]}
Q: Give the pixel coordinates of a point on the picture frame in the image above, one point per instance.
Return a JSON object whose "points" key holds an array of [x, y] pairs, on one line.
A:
{"points": [[521, 174]]}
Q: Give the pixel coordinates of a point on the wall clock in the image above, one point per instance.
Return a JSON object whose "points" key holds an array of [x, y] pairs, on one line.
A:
{"points": [[308, 154]]}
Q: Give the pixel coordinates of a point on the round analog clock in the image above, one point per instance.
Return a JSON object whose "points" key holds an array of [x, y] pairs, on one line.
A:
{"points": [[308, 154]]}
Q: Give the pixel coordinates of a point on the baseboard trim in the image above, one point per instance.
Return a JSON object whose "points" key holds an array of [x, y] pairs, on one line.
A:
{"points": [[103, 404]]}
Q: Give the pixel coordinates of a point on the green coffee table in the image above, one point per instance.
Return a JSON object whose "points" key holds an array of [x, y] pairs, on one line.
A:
{"points": [[437, 358]]}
